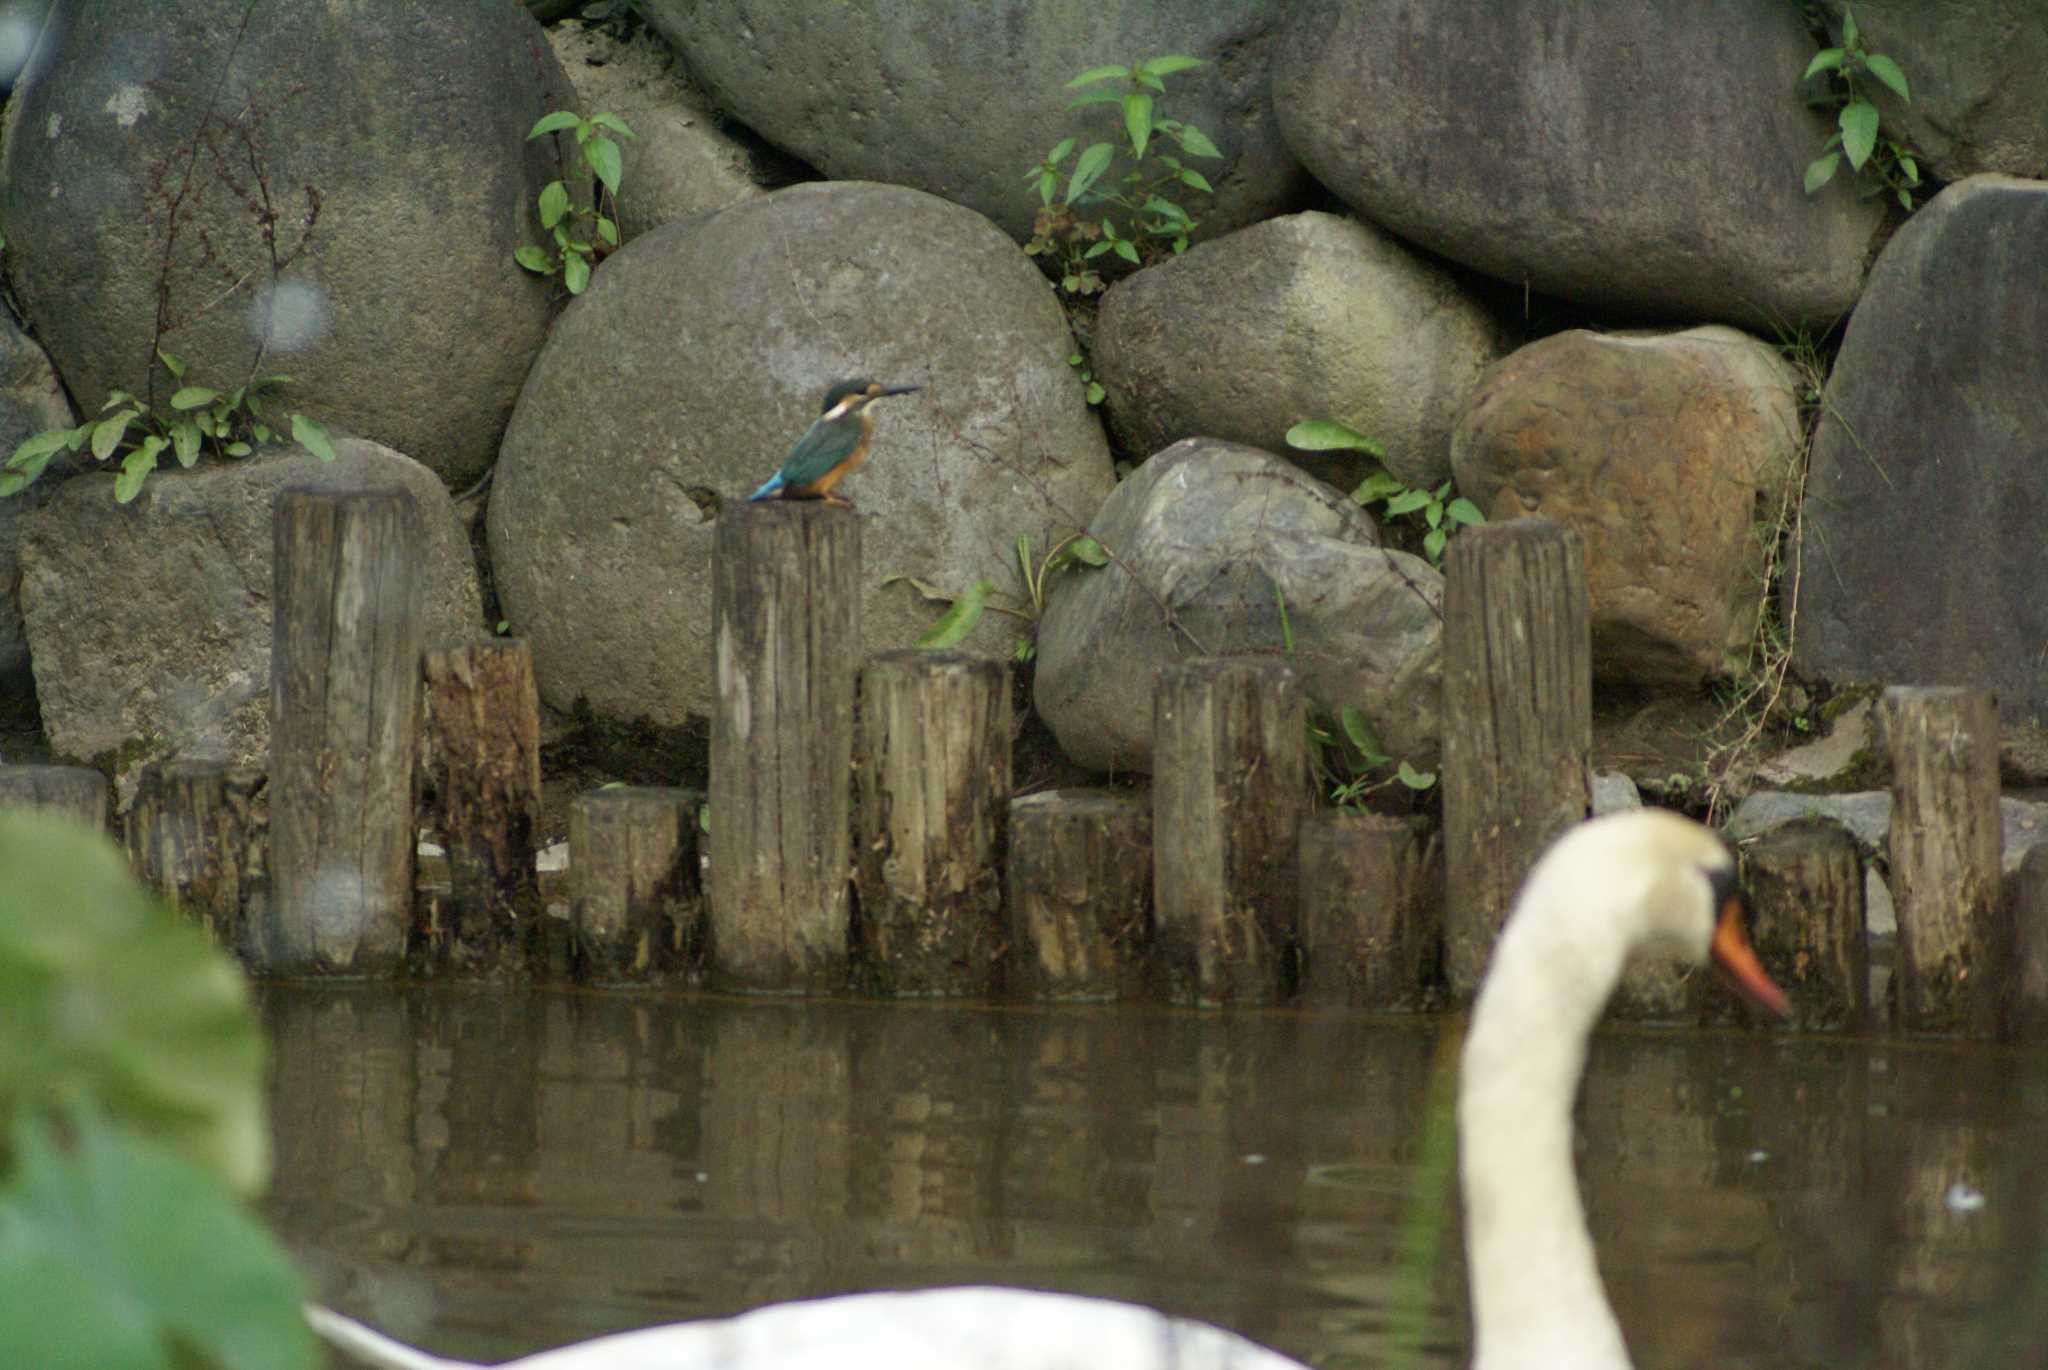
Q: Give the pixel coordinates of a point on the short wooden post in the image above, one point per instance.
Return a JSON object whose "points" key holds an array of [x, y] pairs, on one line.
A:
{"points": [[1945, 844], [785, 623], [1518, 721], [1805, 881], [1229, 785], [635, 904], [2027, 1005], [344, 736], [197, 834], [78, 792], [1371, 911], [483, 750], [932, 764], [1080, 895]]}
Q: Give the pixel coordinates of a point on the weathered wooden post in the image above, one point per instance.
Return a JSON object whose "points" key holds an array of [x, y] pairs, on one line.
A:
{"points": [[1805, 881], [1945, 845], [933, 772], [1371, 911], [2027, 1005], [483, 750], [635, 900], [196, 834], [78, 792], [1080, 895], [785, 623], [1518, 721], [344, 732], [1229, 786]]}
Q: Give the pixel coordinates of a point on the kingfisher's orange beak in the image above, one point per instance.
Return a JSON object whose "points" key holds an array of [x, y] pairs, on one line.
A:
{"points": [[1733, 956]]}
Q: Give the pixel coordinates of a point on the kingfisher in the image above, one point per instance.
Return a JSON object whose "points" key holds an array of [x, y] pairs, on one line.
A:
{"points": [[835, 443]]}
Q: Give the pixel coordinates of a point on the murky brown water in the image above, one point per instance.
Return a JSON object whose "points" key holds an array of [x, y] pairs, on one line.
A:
{"points": [[489, 1173]]}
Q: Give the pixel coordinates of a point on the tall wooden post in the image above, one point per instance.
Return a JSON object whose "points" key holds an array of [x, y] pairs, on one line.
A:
{"points": [[345, 691], [933, 795], [1945, 843], [1229, 785], [196, 835], [78, 792], [785, 623], [483, 745], [1518, 721]]}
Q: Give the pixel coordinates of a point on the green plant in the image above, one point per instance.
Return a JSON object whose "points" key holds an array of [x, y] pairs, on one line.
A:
{"points": [[584, 234], [1883, 162], [199, 419], [1435, 513], [1087, 374], [1135, 214], [966, 608], [1348, 775]]}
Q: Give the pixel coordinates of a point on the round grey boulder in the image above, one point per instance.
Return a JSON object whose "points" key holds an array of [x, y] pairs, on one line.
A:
{"points": [[1221, 548], [701, 351]]}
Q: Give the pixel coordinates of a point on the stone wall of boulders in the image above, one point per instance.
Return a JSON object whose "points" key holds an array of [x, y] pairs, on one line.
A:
{"points": [[1548, 252]]}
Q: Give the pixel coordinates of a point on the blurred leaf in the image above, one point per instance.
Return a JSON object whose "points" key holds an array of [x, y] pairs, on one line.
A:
{"points": [[554, 203], [1325, 435], [1887, 71], [1127, 250], [1196, 143], [1821, 170], [1195, 179], [135, 470], [108, 432], [1407, 502], [1859, 131], [1167, 66], [1138, 120], [1359, 730], [1433, 545], [1849, 33], [603, 156], [1094, 74], [1827, 59], [1463, 510], [185, 442], [312, 437], [116, 1253], [44, 445], [607, 230], [1059, 151], [1414, 779], [1088, 169], [604, 119], [554, 123], [171, 364], [1096, 392], [575, 273], [957, 622], [534, 260], [1094, 97], [193, 397], [1088, 550]]}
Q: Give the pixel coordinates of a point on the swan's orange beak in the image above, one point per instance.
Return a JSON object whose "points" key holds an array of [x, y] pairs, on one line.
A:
{"points": [[1732, 954]]}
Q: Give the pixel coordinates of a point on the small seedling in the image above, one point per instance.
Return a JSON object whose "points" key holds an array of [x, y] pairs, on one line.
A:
{"points": [[584, 235], [1883, 162], [1436, 513]]}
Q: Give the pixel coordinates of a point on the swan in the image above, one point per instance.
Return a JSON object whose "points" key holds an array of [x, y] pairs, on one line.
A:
{"points": [[1645, 881]]}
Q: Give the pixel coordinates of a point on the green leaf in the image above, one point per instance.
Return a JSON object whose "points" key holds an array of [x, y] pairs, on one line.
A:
{"points": [[1378, 486], [1905, 199], [108, 432], [1094, 97], [1407, 502], [1910, 169], [1138, 120], [1433, 545], [45, 445], [1167, 66], [1887, 71], [1196, 143], [114, 1252], [14, 482], [1859, 131], [957, 622], [117, 398], [554, 203], [1127, 250], [1325, 435], [1190, 177], [1463, 510], [1087, 550], [1821, 170], [193, 397], [1095, 392], [1059, 152], [239, 449], [185, 442], [607, 230], [1848, 27], [1827, 59], [1088, 169], [554, 123], [1094, 74], [605, 161], [605, 119], [1098, 249], [262, 432], [576, 273], [1414, 779], [1147, 79], [312, 437], [171, 364], [134, 471], [1358, 728], [534, 260]]}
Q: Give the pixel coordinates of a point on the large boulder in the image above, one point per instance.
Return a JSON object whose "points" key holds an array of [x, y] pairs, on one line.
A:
{"points": [[332, 191], [1657, 449], [1974, 70], [1922, 558], [1311, 316], [961, 97], [699, 354], [149, 623], [1644, 159], [1221, 548]]}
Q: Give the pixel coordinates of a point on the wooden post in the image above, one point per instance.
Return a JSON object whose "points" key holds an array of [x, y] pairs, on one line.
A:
{"points": [[1518, 721], [483, 750], [1805, 881], [1371, 911], [78, 792], [2027, 1006], [344, 735], [785, 623], [1945, 843], [933, 791], [635, 904], [1229, 785], [197, 834], [1080, 887]]}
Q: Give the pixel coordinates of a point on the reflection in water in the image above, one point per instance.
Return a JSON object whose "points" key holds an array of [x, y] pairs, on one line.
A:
{"points": [[487, 1173]]}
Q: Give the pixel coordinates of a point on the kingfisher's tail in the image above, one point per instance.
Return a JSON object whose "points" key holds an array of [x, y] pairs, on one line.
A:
{"points": [[768, 487]]}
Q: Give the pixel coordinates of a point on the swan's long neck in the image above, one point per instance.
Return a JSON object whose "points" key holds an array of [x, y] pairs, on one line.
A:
{"points": [[1537, 1299]]}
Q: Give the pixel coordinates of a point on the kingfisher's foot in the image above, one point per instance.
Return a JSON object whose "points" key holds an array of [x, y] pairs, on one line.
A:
{"points": [[837, 500]]}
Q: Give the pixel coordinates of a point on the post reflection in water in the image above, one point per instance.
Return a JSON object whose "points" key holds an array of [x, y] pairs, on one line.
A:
{"points": [[489, 1172]]}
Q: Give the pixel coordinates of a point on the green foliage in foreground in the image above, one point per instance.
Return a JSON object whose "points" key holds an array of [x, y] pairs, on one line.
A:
{"points": [[583, 235], [131, 1098], [1883, 162], [200, 419], [1436, 513]]}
